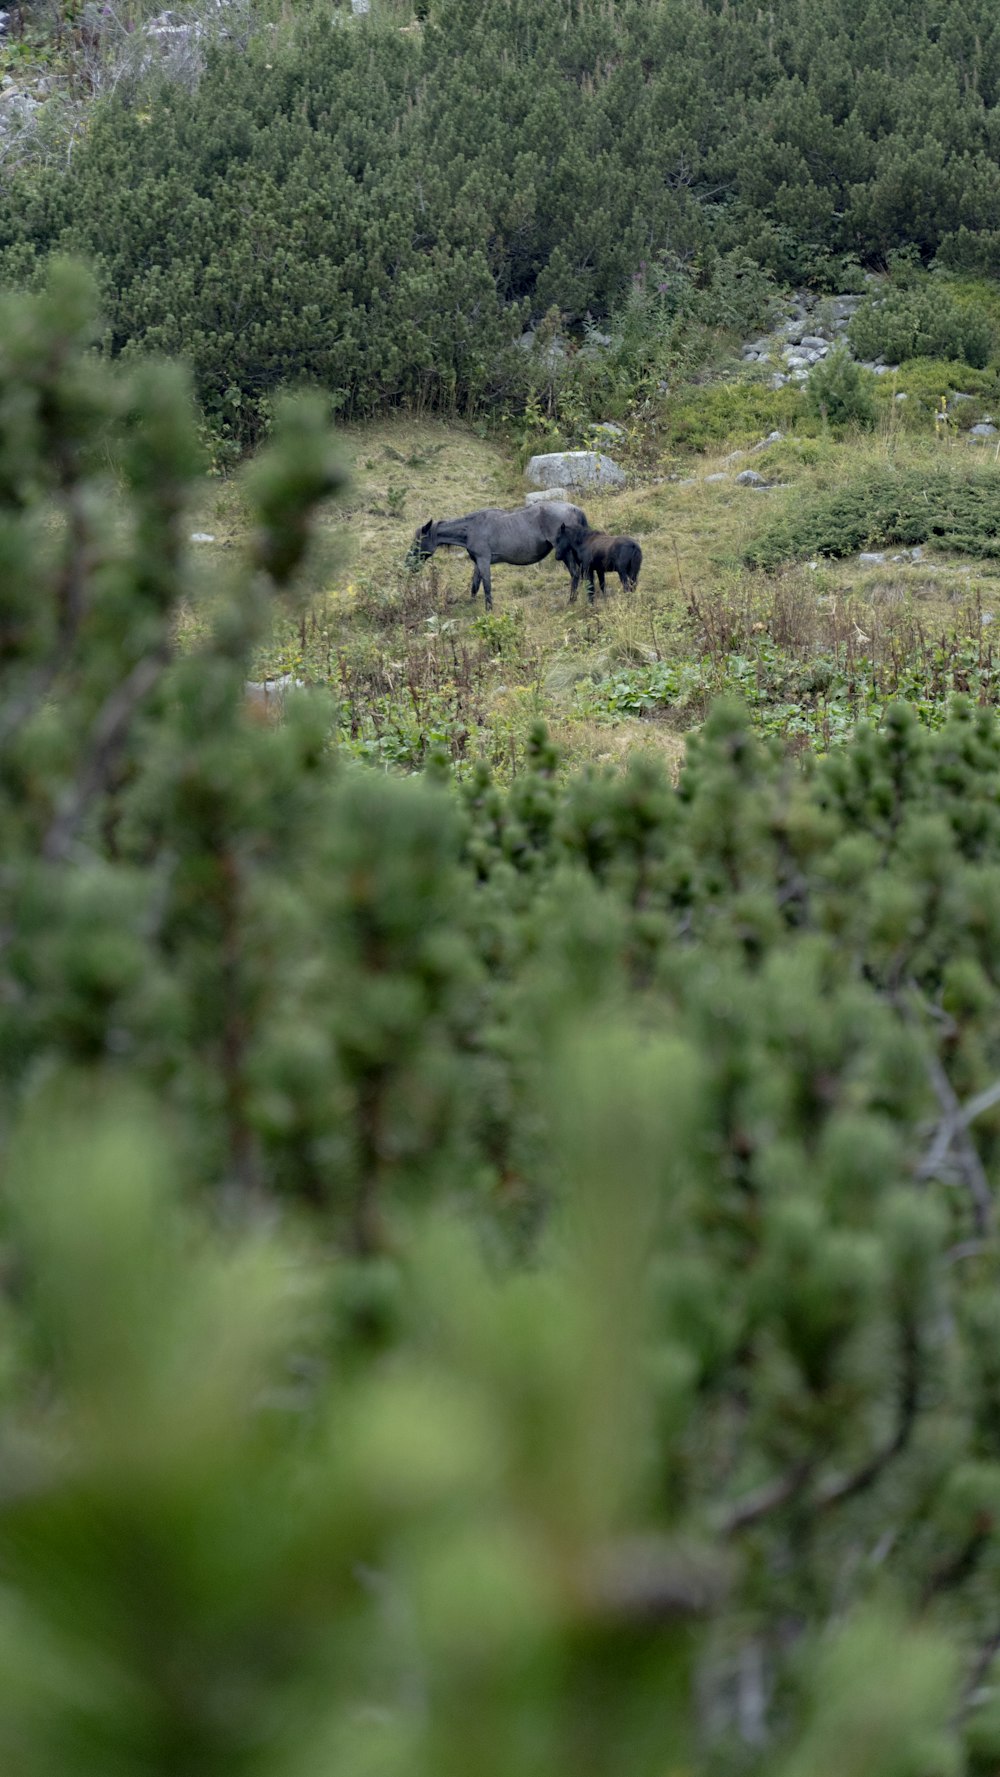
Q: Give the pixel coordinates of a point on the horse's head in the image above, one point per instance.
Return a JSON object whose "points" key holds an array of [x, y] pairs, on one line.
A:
{"points": [[423, 545]]}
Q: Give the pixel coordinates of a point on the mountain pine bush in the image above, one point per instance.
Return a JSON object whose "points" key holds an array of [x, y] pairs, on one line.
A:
{"points": [[492, 1280], [380, 204]]}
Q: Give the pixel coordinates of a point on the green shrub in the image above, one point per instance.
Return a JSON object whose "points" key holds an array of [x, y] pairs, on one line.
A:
{"points": [[318, 209], [839, 390], [922, 321], [957, 508]]}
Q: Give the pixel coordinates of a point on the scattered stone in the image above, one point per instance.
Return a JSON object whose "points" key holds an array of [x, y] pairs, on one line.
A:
{"points": [[360, 7], [751, 478], [983, 430], [574, 468], [813, 565], [815, 343], [901, 397], [870, 558], [610, 428], [202, 537], [545, 493], [988, 617], [722, 476], [686, 481], [777, 381], [772, 438], [271, 693]]}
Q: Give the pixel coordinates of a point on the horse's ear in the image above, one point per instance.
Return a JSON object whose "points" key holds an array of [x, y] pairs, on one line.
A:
{"points": [[425, 529]]}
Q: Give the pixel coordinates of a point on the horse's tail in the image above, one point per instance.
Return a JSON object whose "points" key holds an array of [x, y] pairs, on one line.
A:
{"points": [[633, 561]]}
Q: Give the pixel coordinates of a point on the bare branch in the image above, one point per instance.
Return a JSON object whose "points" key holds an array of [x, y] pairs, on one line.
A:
{"points": [[952, 1140], [765, 1500], [983, 1661], [775, 1494], [108, 736], [849, 1486]]}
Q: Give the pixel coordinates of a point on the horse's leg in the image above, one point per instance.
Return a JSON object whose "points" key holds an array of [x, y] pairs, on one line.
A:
{"points": [[476, 582], [483, 571], [602, 583]]}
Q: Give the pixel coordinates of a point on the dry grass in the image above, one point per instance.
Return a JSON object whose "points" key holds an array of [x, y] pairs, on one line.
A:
{"points": [[375, 630]]}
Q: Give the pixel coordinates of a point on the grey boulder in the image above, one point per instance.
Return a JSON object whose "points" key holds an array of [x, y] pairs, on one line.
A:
{"points": [[574, 468]]}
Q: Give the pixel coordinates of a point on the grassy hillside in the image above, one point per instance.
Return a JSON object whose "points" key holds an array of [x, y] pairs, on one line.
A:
{"points": [[812, 641]]}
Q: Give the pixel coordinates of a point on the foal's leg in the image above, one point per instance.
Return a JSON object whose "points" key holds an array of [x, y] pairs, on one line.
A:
{"points": [[476, 578]]}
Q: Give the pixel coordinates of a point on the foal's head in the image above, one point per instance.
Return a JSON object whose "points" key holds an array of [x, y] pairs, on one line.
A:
{"points": [[566, 540]]}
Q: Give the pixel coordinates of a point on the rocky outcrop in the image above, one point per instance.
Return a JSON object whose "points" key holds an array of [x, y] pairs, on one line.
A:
{"points": [[812, 328]]}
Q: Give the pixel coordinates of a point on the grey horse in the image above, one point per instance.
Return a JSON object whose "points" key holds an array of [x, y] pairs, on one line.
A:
{"points": [[521, 537]]}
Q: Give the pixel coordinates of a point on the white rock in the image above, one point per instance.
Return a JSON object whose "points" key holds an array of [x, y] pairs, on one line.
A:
{"points": [[271, 691], [751, 478], [202, 537], [545, 493], [574, 468], [719, 477], [871, 558]]}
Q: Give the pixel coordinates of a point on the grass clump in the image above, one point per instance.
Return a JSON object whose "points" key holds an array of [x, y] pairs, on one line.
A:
{"points": [[957, 508], [736, 413]]}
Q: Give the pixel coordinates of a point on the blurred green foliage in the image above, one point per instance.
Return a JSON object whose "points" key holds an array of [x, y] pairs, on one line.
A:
{"points": [[496, 1281]]}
